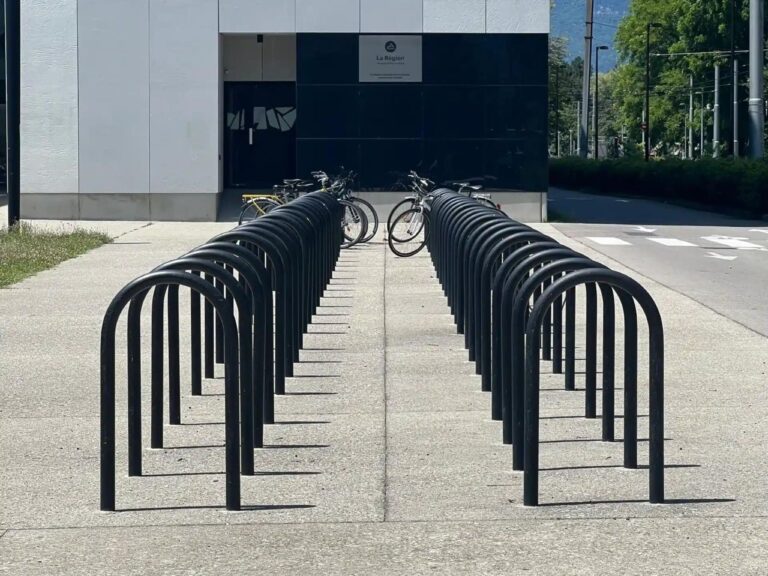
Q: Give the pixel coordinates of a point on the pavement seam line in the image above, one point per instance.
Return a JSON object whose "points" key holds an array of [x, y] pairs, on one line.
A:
{"points": [[385, 517], [395, 522], [658, 282], [146, 225]]}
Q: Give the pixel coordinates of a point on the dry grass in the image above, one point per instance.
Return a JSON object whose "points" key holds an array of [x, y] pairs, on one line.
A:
{"points": [[26, 250]]}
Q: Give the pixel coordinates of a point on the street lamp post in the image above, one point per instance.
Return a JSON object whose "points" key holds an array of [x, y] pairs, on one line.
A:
{"points": [[647, 123], [596, 154], [735, 87]]}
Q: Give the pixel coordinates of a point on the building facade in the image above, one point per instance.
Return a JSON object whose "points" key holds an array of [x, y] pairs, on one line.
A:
{"points": [[159, 109]]}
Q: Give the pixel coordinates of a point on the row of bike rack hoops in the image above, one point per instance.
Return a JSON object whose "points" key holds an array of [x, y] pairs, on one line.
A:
{"points": [[508, 288], [260, 284]]}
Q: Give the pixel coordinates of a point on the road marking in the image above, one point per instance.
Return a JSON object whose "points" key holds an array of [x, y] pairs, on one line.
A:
{"points": [[671, 242], [646, 230], [759, 230], [717, 256], [608, 241], [622, 201], [733, 242]]}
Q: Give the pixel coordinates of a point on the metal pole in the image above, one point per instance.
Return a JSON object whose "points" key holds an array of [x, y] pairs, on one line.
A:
{"points": [[736, 151], [735, 71], [716, 127], [756, 81], [584, 129], [596, 151], [701, 135], [690, 117], [646, 125], [557, 111], [578, 128], [12, 108]]}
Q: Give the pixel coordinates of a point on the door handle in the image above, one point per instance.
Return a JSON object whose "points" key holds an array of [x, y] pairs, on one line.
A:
{"points": [[250, 136]]}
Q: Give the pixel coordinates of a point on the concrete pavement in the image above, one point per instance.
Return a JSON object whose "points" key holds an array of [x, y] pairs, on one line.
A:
{"points": [[384, 460]]}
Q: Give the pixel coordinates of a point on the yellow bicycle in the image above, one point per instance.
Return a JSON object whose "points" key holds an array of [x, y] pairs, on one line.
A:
{"points": [[256, 205]]}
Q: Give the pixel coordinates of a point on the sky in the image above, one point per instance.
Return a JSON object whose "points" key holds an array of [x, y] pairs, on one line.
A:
{"points": [[568, 18]]}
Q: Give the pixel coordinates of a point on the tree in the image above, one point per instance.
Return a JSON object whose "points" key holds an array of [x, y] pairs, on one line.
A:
{"points": [[564, 92], [686, 26]]}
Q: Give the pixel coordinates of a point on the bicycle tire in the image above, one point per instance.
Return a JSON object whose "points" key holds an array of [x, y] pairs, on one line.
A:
{"points": [[406, 203], [249, 211], [487, 202], [416, 242], [371, 215], [354, 224]]}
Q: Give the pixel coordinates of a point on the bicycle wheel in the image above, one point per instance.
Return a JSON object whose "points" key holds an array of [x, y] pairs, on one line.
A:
{"points": [[409, 233], [399, 208], [486, 202], [254, 209], [371, 215], [354, 224]]}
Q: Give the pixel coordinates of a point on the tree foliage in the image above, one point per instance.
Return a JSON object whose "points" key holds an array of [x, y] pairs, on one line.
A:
{"points": [[683, 26]]}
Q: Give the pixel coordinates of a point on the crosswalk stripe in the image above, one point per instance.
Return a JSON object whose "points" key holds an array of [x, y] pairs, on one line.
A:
{"points": [[671, 242], [731, 242], [608, 241]]}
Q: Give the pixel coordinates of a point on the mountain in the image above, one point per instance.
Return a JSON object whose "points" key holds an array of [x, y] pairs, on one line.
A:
{"points": [[568, 22]]}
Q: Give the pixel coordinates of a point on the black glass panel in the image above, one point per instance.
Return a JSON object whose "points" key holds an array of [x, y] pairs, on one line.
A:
{"points": [[383, 159], [454, 160], [515, 59], [327, 58], [328, 155], [453, 112], [453, 58], [515, 112], [390, 111], [328, 112], [517, 164]]}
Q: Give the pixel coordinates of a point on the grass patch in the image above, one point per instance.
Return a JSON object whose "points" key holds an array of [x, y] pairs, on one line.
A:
{"points": [[26, 250]]}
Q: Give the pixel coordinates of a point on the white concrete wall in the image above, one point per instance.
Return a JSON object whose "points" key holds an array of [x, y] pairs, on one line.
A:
{"points": [[49, 151], [257, 16], [327, 15], [467, 16], [404, 16], [518, 16], [375, 16], [184, 96], [114, 96]]}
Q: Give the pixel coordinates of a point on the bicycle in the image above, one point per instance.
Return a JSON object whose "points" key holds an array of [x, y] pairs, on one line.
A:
{"points": [[409, 229], [341, 187], [256, 205]]}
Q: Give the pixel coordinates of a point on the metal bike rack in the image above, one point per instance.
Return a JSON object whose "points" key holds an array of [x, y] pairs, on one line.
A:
{"points": [[290, 252], [491, 269]]}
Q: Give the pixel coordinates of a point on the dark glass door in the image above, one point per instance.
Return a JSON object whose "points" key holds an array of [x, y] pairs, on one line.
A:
{"points": [[259, 133]]}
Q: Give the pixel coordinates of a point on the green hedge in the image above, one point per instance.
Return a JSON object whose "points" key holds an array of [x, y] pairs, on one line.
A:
{"points": [[732, 184]]}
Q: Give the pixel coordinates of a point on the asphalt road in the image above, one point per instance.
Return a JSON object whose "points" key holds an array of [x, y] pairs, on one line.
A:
{"points": [[719, 261]]}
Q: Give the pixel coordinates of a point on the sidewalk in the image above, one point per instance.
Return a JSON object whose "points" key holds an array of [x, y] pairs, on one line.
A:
{"points": [[384, 459]]}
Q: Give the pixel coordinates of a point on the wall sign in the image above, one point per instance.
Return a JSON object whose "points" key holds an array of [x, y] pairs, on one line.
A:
{"points": [[390, 58]]}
